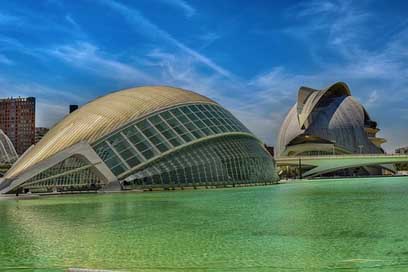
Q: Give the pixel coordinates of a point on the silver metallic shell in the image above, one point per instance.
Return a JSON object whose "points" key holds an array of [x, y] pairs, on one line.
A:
{"points": [[333, 116]]}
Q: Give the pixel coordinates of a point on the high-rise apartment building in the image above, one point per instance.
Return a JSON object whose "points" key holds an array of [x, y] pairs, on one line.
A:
{"points": [[17, 120]]}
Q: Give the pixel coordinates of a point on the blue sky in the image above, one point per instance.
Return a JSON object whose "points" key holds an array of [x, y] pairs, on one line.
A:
{"points": [[250, 56]]}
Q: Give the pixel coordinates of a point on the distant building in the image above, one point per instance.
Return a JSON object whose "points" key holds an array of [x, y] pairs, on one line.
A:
{"points": [[17, 120], [72, 108], [330, 122], [40, 132], [402, 150]]}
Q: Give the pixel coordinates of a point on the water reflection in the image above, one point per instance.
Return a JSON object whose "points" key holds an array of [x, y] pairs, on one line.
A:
{"points": [[349, 224]]}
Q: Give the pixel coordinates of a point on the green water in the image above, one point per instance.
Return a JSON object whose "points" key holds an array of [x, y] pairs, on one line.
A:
{"points": [[343, 225]]}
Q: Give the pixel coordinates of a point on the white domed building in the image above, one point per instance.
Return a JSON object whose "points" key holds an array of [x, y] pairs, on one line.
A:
{"points": [[143, 138], [329, 121]]}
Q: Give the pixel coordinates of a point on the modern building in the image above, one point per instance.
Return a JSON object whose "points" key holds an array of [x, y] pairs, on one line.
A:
{"points": [[330, 122], [40, 132], [8, 154], [73, 108], [142, 138], [17, 120], [402, 167]]}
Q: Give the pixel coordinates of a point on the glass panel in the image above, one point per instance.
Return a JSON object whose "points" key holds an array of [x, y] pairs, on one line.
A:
{"points": [[191, 127], [142, 146], [193, 117], [121, 146], [156, 140], [142, 125], [175, 141], [173, 122], [201, 115], [149, 132], [201, 107], [137, 138], [127, 153], [119, 169], [186, 137], [112, 162], [133, 161], [169, 134], [155, 120], [185, 110], [115, 139], [148, 154], [130, 131], [162, 127], [162, 147], [183, 119], [176, 112], [104, 151], [197, 134], [166, 115]]}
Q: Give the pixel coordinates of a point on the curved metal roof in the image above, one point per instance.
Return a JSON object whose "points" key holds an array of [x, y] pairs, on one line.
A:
{"points": [[101, 117], [288, 131], [308, 99], [331, 114]]}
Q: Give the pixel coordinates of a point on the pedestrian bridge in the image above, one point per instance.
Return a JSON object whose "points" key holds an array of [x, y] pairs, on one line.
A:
{"points": [[330, 163]]}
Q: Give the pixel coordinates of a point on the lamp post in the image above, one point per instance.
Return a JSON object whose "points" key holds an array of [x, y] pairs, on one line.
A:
{"points": [[300, 168], [334, 147], [361, 149]]}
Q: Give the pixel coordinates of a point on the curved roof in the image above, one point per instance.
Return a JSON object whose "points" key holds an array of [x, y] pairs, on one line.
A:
{"points": [[101, 117], [309, 98], [288, 131], [7, 152], [341, 119]]}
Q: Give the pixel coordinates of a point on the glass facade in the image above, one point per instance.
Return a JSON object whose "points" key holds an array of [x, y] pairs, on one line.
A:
{"points": [[219, 161], [70, 174], [160, 132], [174, 147], [223, 159]]}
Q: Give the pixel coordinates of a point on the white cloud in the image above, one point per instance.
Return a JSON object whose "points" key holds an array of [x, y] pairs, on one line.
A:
{"points": [[146, 27], [84, 55], [73, 23], [183, 5], [312, 8], [208, 39], [372, 99]]}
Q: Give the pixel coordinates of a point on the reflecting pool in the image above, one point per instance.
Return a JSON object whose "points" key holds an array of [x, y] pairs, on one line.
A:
{"points": [[336, 225]]}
